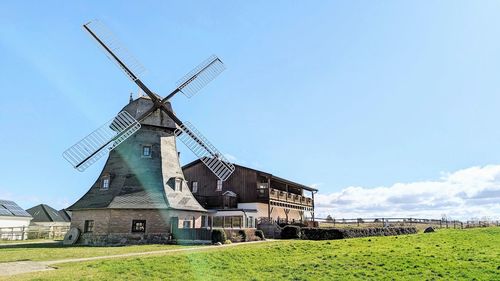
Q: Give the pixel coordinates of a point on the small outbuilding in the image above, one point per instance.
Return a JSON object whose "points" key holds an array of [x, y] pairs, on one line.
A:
{"points": [[14, 221], [65, 214], [47, 222]]}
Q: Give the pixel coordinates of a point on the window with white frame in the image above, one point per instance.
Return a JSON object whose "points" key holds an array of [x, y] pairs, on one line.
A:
{"points": [[187, 222], [194, 186], [138, 226], [105, 180], [219, 185], [146, 151], [88, 226]]}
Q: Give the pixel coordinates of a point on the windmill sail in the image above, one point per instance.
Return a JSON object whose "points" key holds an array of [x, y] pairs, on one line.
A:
{"points": [[114, 49], [199, 77], [114, 132], [107, 137], [204, 150]]}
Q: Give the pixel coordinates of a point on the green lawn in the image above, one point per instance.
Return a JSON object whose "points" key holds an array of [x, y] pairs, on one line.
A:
{"points": [[27, 241], [52, 251], [472, 254]]}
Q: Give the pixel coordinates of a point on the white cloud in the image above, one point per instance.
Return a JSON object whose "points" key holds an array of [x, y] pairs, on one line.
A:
{"points": [[469, 193]]}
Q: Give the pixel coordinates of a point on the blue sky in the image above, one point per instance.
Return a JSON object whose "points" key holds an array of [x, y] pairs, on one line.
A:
{"points": [[335, 94]]}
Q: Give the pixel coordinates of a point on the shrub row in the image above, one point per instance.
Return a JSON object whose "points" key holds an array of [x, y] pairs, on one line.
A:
{"points": [[378, 231], [291, 232], [218, 236], [309, 233], [241, 235]]}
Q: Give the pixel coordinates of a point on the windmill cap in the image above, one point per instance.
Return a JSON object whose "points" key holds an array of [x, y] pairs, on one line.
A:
{"points": [[142, 104]]}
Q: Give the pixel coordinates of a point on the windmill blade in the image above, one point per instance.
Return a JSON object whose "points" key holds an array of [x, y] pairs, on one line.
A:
{"points": [[107, 137], [199, 77], [114, 49], [204, 150]]}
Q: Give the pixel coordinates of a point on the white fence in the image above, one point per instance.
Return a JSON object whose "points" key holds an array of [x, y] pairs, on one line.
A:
{"points": [[33, 232]]}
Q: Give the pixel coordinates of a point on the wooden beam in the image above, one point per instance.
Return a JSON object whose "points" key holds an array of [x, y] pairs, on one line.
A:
{"points": [[269, 198], [312, 192]]}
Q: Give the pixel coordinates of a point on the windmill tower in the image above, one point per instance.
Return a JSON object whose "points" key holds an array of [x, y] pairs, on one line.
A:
{"points": [[141, 193]]}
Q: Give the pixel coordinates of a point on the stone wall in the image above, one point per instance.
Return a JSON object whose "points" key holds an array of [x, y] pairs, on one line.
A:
{"points": [[114, 226], [119, 239]]}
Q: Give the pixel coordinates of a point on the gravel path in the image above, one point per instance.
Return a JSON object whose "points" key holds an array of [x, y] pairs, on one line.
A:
{"points": [[18, 267]]}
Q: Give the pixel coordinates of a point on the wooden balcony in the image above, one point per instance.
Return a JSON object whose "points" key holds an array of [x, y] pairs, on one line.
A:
{"points": [[283, 196]]}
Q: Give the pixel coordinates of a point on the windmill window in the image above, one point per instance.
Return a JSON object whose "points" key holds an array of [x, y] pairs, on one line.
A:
{"points": [[178, 184], [146, 151], [88, 226], [219, 185], [194, 186], [106, 179], [138, 226]]}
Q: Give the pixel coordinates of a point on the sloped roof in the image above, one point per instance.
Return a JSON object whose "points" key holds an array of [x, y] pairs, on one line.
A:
{"points": [[11, 209], [45, 213], [142, 183], [198, 162], [65, 214]]}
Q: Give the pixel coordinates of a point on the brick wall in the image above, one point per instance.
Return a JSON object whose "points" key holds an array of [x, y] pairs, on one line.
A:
{"points": [[120, 221]]}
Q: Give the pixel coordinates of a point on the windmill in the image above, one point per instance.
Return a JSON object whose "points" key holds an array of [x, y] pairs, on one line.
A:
{"points": [[110, 135]]}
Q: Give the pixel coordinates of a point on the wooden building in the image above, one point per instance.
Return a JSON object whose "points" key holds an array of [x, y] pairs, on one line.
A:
{"points": [[250, 191]]}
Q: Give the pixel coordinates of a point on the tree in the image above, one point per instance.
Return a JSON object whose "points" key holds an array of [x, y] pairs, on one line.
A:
{"points": [[329, 219]]}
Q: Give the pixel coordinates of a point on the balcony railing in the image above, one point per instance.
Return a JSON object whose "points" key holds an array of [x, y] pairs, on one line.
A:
{"points": [[284, 196]]}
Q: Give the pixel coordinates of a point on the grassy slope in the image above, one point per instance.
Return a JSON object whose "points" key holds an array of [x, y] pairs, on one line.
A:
{"points": [[46, 251], [450, 254]]}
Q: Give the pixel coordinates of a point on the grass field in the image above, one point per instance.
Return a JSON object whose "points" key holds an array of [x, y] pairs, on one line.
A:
{"points": [[51, 251], [2, 242], [472, 254]]}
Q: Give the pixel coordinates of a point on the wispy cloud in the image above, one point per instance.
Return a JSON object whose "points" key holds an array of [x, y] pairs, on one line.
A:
{"points": [[469, 193]]}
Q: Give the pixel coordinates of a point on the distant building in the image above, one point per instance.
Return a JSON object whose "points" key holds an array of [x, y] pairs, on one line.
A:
{"points": [[47, 222], [44, 215], [14, 221], [65, 214], [249, 194]]}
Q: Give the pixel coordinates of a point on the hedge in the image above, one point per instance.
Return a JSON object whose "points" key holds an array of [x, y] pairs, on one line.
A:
{"points": [[290, 232], [218, 235], [260, 234], [310, 233]]}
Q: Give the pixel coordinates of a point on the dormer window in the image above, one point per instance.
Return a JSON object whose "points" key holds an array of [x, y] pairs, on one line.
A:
{"points": [[178, 184], [105, 181], [146, 151], [194, 186]]}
